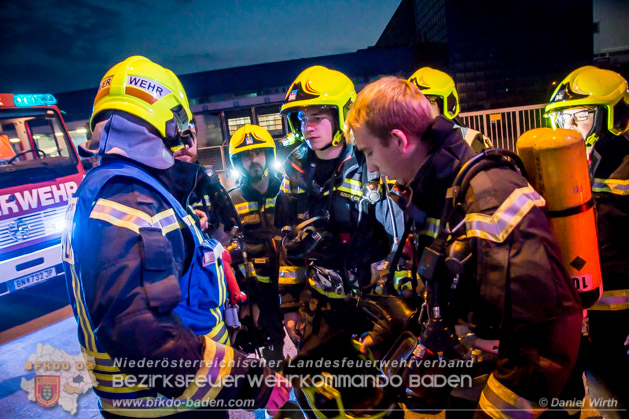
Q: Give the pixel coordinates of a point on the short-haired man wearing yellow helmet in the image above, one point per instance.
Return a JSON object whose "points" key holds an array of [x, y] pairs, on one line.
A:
{"points": [[252, 153], [147, 290], [595, 102], [439, 89], [330, 239]]}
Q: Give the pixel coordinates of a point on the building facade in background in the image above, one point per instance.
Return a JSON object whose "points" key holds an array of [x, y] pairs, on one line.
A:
{"points": [[500, 54]]}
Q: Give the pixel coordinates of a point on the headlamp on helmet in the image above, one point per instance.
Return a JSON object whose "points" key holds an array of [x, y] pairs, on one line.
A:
{"points": [[319, 86], [591, 89], [150, 92], [439, 88]]}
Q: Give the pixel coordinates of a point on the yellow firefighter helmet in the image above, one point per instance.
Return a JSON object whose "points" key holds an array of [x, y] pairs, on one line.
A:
{"points": [[591, 87], [146, 90], [319, 86], [251, 137], [439, 88]]}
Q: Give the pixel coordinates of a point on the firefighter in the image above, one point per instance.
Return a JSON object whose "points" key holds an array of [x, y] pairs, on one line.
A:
{"points": [[494, 268], [329, 238], [209, 199], [595, 102], [252, 153], [439, 89], [146, 290]]}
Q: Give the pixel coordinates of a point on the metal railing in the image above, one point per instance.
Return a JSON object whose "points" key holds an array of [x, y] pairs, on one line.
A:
{"points": [[504, 126]]}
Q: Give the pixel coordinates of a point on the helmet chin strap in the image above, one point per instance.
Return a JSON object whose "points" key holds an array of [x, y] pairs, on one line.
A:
{"points": [[591, 139], [338, 137], [336, 140], [600, 118], [326, 147]]}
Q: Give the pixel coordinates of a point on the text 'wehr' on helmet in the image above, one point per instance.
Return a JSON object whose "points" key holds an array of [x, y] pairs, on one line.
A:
{"points": [[604, 91], [319, 86], [149, 92]]}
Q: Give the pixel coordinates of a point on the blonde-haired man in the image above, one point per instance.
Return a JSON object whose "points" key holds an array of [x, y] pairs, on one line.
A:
{"points": [[506, 284]]}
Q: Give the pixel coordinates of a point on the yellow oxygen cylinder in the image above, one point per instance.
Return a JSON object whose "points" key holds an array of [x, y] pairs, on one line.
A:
{"points": [[556, 166]]}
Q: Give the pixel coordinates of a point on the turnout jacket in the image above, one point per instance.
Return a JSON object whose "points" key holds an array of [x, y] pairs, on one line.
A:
{"points": [[212, 198], [610, 187], [514, 288], [475, 139], [336, 200], [123, 268], [256, 212]]}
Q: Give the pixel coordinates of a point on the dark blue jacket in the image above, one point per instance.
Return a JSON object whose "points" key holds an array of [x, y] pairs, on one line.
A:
{"points": [[123, 257]]}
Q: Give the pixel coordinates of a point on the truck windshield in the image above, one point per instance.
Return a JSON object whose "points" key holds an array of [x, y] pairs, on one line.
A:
{"points": [[34, 142]]}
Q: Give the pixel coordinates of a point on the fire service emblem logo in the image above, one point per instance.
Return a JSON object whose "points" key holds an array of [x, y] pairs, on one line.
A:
{"points": [[19, 230], [47, 389]]}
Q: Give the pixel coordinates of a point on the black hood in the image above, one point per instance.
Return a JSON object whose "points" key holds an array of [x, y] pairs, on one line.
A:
{"points": [[449, 153]]}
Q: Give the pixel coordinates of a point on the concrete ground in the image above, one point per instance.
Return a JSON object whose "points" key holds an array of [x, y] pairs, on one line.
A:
{"points": [[61, 335], [14, 401]]}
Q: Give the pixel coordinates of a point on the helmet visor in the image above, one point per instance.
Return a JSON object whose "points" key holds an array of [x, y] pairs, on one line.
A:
{"points": [[298, 118], [564, 117], [180, 117]]}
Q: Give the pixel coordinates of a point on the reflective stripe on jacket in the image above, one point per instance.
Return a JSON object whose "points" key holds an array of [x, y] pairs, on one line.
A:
{"points": [[257, 214], [514, 288], [124, 256], [336, 202]]}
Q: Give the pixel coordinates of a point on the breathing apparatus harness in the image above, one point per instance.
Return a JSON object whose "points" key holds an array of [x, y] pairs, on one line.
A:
{"points": [[372, 193], [238, 253], [304, 239], [427, 333], [448, 252], [447, 255]]}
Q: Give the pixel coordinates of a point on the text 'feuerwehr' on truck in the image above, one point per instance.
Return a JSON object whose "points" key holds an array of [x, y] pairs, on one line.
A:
{"points": [[39, 172]]}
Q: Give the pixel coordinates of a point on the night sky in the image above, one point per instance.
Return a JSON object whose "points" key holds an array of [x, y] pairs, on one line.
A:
{"points": [[57, 46]]}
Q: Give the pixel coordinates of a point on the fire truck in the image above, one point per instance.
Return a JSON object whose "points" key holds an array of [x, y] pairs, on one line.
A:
{"points": [[39, 172]]}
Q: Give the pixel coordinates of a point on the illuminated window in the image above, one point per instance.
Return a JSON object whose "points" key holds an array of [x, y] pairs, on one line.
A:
{"points": [[79, 136], [270, 122], [235, 123]]}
